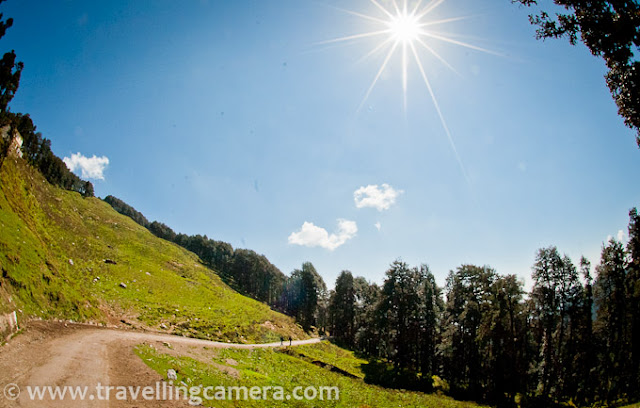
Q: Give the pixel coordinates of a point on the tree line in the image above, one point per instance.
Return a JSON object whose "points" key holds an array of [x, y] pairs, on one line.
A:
{"points": [[35, 149], [245, 270], [573, 338]]}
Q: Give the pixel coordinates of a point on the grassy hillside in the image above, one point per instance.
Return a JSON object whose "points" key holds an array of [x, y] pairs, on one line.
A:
{"points": [[65, 256], [288, 368]]}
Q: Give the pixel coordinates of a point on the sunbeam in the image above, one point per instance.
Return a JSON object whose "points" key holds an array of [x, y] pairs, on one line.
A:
{"points": [[380, 71], [354, 37], [460, 43], [404, 28], [440, 115]]}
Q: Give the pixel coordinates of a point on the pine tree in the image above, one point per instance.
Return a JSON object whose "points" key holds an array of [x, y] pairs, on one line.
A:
{"points": [[431, 310], [367, 333], [500, 339], [633, 301], [611, 321], [342, 309], [467, 291], [585, 381], [556, 295]]}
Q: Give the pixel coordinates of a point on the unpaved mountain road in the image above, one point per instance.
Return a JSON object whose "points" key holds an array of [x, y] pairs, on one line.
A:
{"points": [[59, 354]]}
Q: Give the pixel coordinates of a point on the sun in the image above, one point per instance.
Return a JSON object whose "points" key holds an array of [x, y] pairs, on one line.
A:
{"points": [[408, 29], [404, 27]]}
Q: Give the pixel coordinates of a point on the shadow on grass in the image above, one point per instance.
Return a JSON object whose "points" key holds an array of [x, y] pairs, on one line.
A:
{"points": [[384, 374]]}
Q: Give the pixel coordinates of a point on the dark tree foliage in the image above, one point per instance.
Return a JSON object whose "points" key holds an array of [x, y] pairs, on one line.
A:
{"points": [[611, 322], [467, 289], [215, 254], [556, 294], [9, 81], [611, 30], [487, 341], [406, 317], [342, 309], [502, 341], [36, 150], [399, 306], [291, 300], [302, 295], [246, 271], [309, 295], [633, 300], [162, 230], [125, 209], [367, 335], [431, 309], [10, 71], [257, 277], [483, 344], [584, 379]]}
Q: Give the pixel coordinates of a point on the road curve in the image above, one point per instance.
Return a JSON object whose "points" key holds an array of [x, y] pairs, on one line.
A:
{"points": [[148, 336], [62, 354]]}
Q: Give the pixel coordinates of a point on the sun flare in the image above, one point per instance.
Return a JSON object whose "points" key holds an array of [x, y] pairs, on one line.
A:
{"points": [[406, 28]]}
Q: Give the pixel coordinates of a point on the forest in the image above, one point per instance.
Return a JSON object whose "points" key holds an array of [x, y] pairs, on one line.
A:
{"points": [[574, 337]]}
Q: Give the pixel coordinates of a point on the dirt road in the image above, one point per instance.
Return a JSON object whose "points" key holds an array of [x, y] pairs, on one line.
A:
{"points": [[59, 354]]}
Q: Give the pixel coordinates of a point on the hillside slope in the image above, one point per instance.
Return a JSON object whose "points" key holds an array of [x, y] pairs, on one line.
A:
{"points": [[65, 256]]}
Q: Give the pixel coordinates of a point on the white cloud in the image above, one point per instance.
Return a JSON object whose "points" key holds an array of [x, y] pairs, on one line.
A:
{"points": [[314, 236], [620, 237], [378, 225], [90, 167], [376, 197]]}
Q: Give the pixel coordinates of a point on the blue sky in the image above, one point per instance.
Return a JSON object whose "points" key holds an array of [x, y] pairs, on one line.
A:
{"points": [[236, 119]]}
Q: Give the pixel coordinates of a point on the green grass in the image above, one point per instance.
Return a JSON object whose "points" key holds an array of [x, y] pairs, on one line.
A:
{"points": [[333, 355], [276, 368], [43, 227]]}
